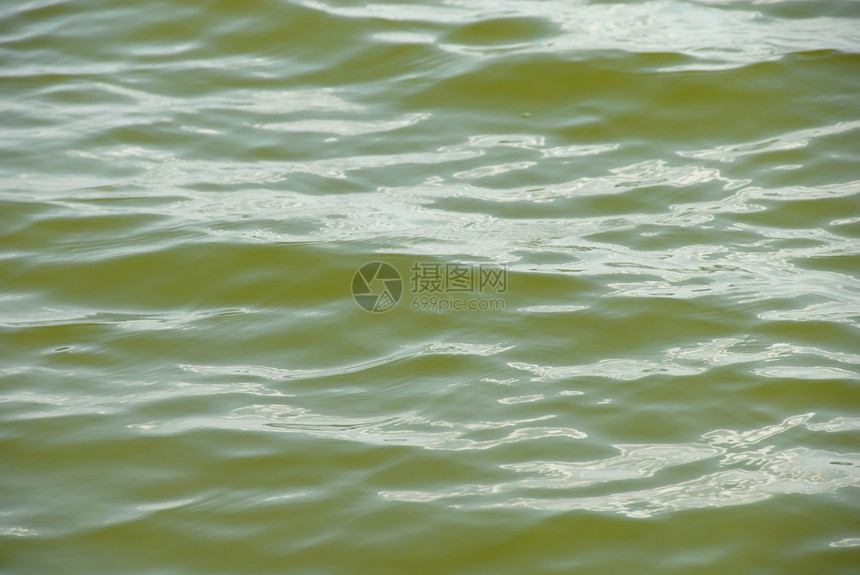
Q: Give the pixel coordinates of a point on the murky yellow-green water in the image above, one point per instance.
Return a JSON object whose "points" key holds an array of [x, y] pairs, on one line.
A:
{"points": [[621, 315]]}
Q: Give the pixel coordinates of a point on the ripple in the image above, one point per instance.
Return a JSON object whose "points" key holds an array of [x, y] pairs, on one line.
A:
{"points": [[671, 187], [796, 470]]}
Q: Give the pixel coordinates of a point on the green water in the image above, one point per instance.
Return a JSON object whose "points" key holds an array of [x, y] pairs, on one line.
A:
{"points": [[660, 372]]}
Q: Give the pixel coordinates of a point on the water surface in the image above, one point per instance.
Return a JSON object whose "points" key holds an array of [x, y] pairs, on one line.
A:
{"points": [[670, 187]]}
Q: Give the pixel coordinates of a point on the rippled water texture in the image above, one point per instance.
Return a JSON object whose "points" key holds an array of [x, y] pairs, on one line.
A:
{"points": [[668, 382]]}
